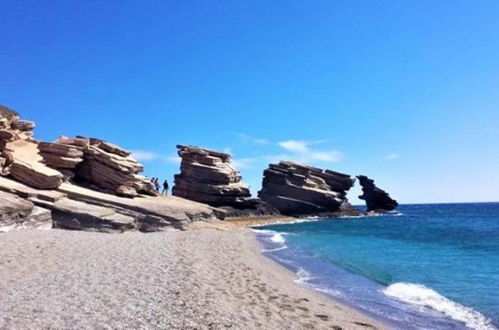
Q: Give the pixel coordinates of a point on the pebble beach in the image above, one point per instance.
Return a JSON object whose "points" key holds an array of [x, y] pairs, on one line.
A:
{"points": [[209, 277]]}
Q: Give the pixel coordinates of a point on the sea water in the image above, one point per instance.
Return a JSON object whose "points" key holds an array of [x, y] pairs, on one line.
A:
{"points": [[432, 266]]}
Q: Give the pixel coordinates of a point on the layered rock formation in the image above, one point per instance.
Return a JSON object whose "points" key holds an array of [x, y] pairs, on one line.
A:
{"points": [[208, 176], [296, 189], [79, 208], [376, 199], [32, 191], [16, 212], [99, 164], [19, 153]]}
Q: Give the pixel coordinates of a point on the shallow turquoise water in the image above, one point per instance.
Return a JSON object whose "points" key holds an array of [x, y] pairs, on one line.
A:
{"points": [[429, 266]]}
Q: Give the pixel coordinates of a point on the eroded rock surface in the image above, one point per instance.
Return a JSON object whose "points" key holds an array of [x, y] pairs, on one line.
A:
{"points": [[376, 199], [98, 164], [104, 190], [296, 189], [209, 177], [17, 212], [19, 153]]}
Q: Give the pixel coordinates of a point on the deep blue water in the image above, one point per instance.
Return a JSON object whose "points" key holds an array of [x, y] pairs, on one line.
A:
{"points": [[432, 266]]}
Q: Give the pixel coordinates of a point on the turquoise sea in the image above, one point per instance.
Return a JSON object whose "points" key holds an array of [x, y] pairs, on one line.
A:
{"points": [[433, 266]]}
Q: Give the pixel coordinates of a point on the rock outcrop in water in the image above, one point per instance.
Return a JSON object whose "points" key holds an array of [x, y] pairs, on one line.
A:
{"points": [[209, 177], [376, 198], [296, 189], [81, 184]]}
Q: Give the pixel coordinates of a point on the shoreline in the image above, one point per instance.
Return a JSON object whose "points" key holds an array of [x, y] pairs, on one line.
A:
{"points": [[212, 276]]}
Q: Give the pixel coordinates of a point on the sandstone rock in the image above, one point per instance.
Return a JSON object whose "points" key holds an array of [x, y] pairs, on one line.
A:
{"points": [[17, 213], [36, 175], [208, 176], [376, 198], [23, 125], [6, 134], [24, 191], [39, 218], [7, 114], [65, 150], [13, 210], [113, 149], [20, 153], [99, 164], [71, 214], [296, 189], [126, 191], [27, 166], [150, 213]]}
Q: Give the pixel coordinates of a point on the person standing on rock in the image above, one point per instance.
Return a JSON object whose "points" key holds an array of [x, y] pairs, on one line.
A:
{"points": [[156, 184], [165, 188]]}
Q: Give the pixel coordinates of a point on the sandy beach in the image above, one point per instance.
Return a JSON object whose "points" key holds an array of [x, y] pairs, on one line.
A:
{"points": [[203, 278]]}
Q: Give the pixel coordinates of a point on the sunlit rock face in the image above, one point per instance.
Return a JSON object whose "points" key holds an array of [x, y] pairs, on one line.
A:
{"points": [[208, 176], [297, 189]]}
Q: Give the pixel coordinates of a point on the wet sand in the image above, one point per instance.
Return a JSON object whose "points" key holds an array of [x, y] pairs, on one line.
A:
{"points": [[210, 277]]}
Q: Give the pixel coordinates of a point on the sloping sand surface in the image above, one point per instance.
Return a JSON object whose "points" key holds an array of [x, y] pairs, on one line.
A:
{"points": [[203, 279]]}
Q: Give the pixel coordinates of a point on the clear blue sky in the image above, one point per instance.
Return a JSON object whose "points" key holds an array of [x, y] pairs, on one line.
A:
{"points": [[406, 92]]}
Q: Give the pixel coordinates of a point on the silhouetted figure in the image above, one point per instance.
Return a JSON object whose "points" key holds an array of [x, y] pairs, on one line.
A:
{"points": [[165, 188]]}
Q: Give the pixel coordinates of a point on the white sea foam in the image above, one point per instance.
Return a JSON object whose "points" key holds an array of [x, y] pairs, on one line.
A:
{"points": [[278, 238], [275, 249], [329, 291], [303, 276], [420, 295], [274, 237], [262, 231]]}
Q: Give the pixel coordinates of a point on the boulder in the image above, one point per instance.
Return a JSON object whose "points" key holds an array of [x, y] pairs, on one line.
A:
{"points": [[376, 199], [296, 189]]}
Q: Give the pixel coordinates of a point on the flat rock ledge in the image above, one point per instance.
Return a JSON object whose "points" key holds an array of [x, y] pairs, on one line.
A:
{"points": [[299, 190], [78, 208]]}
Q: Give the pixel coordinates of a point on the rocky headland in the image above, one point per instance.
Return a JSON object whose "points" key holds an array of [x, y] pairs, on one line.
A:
{"points": [[297, 190], [90, 184], [82, 184], [377, 200]]}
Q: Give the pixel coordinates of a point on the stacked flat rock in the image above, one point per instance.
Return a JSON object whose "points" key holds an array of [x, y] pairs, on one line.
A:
{"points": [[208, 176], [376, 199], [19, 153], [98, 164], [63, 157], [296, 189]]}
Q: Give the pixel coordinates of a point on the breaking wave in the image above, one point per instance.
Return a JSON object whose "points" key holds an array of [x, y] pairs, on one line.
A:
{"points": [[420, 295]]}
